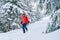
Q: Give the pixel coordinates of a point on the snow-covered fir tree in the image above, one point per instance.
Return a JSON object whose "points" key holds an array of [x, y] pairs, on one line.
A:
{"points": [[54, 24]]}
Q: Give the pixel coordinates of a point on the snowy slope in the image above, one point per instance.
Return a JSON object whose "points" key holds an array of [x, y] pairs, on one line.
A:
{"points": [[34, 33]]}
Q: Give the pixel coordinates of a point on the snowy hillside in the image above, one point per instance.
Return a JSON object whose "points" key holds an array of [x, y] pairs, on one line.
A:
{"points": [[35, 32], [11, 11]]}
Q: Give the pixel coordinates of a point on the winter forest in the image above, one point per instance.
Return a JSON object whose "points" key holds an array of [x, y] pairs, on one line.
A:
{"points": [[11, 11]]}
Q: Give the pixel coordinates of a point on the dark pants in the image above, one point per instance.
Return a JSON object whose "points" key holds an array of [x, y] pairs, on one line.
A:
{"points": [[24, 27]]}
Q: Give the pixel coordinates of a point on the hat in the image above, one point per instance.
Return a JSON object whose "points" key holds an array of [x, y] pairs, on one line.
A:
{"points": [[23, 13]]}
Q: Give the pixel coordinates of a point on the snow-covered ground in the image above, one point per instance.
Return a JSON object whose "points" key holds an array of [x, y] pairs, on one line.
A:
{"points": [[35, 32]]}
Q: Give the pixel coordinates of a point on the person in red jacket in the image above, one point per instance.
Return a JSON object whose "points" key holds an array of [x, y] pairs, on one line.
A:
{"points": [[24, 22]]}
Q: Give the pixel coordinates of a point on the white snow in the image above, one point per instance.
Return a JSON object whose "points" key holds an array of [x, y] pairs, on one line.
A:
{"points": [[43, 11], [35, 32]]}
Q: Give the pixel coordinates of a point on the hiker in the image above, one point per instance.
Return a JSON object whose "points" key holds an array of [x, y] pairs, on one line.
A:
{"points": [[24, 22]]}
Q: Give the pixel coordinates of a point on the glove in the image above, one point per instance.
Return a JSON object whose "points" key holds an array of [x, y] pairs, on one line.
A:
{"points": [[21, 22], [28, 21]]}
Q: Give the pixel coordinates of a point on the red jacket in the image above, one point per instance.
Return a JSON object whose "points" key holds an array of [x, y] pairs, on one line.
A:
{"points": [[24, 19]]}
